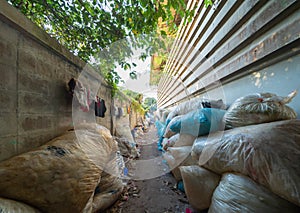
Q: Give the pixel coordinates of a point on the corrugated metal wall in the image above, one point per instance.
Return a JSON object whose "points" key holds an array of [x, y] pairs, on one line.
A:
{"points": [[229, 47]]}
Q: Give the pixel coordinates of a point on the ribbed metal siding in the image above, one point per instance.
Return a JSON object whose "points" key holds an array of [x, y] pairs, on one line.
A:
{"points": [[227, 41]]}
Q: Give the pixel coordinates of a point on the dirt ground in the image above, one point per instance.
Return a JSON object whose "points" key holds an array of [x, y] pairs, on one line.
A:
{"points": [[157, 194]]}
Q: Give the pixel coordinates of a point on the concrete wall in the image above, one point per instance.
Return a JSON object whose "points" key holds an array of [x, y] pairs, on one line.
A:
{"points": [[234, 48], [34, 70], [131, 119], [121, 101]]}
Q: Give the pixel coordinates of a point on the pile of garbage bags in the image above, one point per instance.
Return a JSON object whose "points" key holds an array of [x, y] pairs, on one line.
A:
{"points": [[125, 140], [240, 159], [79, 171], [127, 149]]}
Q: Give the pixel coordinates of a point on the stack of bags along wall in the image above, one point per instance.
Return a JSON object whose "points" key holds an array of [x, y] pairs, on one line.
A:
{"points": [[247, 160], [79, 171]]}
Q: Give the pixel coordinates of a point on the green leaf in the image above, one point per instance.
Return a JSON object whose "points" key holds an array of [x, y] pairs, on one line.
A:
{"points": [[162, 32], [133, 75], [88, 27]]}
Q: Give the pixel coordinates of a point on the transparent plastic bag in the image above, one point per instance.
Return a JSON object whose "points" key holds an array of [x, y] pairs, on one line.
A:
{"points": [[127, 148], [160, 127], [178, 156], [238, 193], [111, 185], [164, 116], [197, 103], [123, 131], [184, 108], [185, 140], [199, 122], [168, 132], [12, 206], [178, 140], [198, 147], [259, 108], [60, 176], [268, 153], [199, 185]]}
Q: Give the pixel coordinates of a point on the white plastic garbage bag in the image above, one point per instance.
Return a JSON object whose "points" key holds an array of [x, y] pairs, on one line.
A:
{"points": [[238, 193], [199, 185], [12, 206], [259, 108], [168, 132], [268, 153], [185, 140], [178, 156], [169, 142]]}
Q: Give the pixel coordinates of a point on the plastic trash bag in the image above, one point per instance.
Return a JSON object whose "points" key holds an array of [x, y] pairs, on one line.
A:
{"points": [[199, 185], [268, 153], [111, 184], [238, 193], [185, 140], [60, 176], [160, 127], [199, 122], [259, 108], [168, 132], [164, 116], [164, 143], [198, 146], [12, 206], [127, 149], [197, 103], [178, 156], [178, 140], [184, 108], [123, 131]]}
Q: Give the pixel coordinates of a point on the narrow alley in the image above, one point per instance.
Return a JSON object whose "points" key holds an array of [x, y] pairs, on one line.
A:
{"points": [[149, 106], [158, 194]]}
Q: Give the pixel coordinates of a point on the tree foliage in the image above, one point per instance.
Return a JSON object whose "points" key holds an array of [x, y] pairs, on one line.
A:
{"points": [[149, 104], [87, 27], [133, 95]]}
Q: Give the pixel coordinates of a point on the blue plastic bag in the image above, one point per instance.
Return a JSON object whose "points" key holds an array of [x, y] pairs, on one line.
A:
{"points": [[200, 122], [180, 186], [160, 127]]}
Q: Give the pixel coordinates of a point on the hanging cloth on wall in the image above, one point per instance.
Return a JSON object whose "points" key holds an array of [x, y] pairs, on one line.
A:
{"points": [[128, 109], [86, 106], [82, 96], [100, 107], [71, 85]]}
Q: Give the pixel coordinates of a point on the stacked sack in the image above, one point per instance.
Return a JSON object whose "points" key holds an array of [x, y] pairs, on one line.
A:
{"points": [[256, 158], [239, 193], [7, 206], [66, 174], [125, 139], [186, 122], [127, 149]]}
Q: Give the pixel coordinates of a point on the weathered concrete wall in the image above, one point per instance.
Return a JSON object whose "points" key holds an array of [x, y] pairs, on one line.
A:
{"points": [[34, 70], [121, 101], [130, 117]]}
